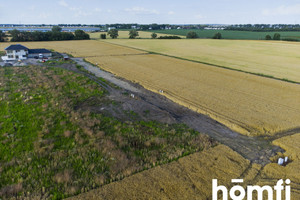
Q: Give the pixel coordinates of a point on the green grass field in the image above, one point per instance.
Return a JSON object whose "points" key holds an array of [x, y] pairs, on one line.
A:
{"points": [[239, 35], [51, 147]]}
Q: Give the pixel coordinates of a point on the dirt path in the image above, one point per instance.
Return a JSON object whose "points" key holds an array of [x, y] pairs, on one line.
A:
{"points": [[153, 106]]}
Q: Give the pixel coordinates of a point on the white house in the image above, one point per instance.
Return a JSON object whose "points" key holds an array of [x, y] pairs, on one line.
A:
{"points": [[20, 52], [15, 52]]}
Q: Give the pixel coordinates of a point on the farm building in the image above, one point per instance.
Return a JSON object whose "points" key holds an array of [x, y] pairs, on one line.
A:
{"points": [[20, 52]]}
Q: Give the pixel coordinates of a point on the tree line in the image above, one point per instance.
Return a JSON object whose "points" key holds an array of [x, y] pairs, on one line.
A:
{"points": [[54, 35], [264, 27], [114, 33]]}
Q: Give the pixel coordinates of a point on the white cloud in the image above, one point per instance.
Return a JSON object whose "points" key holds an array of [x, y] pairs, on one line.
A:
{"points": [[78, 12], [63, 3], [283, 10], [199, 16], [171, 13], [97, 9], [44, 16], [32, 8], [141, 10]]}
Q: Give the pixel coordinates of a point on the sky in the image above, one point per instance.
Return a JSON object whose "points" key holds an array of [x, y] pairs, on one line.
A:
{"points": [[150, 11]]}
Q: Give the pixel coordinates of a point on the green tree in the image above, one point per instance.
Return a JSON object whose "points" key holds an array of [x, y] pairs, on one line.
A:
{"points": [[56, 29], [103, 36], [16, 35], [153, 35], [276, 36], [81, 35], [192, 34], [268, 37], [2, 36], [217, 36], [113, 33], [133, 34]]}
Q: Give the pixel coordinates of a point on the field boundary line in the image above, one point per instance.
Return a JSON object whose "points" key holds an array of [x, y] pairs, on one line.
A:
{"points": [[136, 54], [210, 64]]}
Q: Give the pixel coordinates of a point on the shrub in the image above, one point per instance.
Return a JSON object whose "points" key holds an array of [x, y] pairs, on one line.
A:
{"points": [[268, 37], [153, 35], [291, 39], [192, 34], [169, 37], [276, 36], [103, 36], [217, 36]]}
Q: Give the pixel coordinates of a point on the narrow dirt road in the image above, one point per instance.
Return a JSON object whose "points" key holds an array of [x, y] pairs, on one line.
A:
{"points": [[153, 106]]}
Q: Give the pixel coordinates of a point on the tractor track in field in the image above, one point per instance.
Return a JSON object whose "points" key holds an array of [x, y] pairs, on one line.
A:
{"points": [[152, 106]]}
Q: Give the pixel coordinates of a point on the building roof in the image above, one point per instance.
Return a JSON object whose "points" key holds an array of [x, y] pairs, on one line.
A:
{"points": [[37, 51], [16, 47]]}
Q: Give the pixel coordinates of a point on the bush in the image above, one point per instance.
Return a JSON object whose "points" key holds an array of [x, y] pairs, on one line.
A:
{"points": [[268, 37], [192, 34], [291, 39], [169, 37], [217, 36], [276, 36], [103, 36], [153, 35]]}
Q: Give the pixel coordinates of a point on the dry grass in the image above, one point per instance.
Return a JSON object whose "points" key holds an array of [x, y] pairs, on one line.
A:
{"points": [[274, 58]]}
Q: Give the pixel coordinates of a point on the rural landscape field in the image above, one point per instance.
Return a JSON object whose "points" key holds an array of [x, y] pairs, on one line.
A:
{"points": [[157, 100], [250, 104], [276, 59], [213, 91]]}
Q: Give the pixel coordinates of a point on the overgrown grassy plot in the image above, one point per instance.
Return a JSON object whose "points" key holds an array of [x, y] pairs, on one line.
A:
{"points": [[50, 150]]}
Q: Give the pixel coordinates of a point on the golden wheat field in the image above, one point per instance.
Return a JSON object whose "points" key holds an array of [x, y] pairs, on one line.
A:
{"points": [[188, 178], [191, 177], [273, 172], [125, 35], [274, 58], [243, 102], [246, 103]]}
